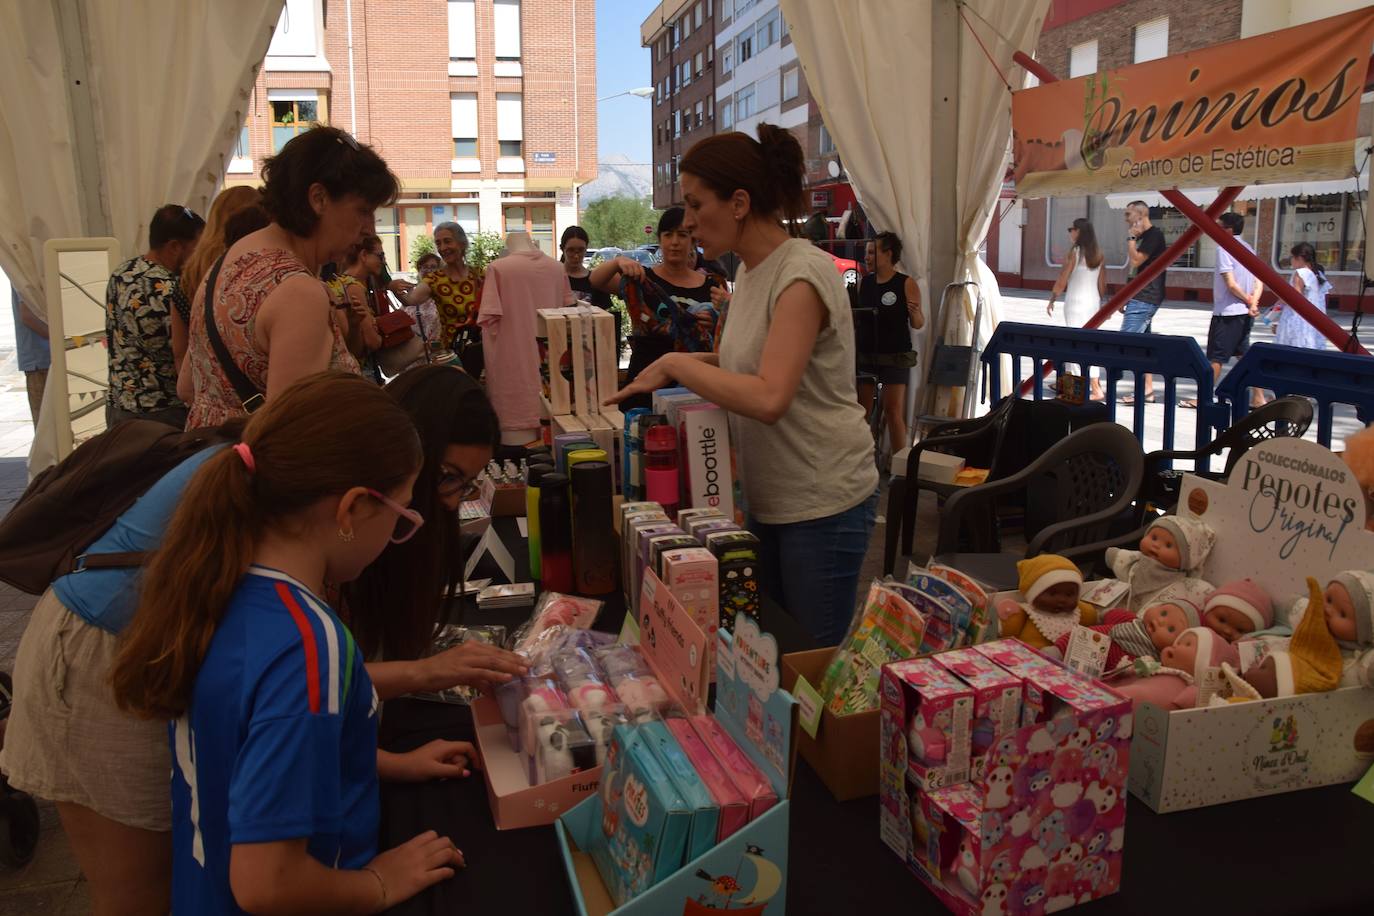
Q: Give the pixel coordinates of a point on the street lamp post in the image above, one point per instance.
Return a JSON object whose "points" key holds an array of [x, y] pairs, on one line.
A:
{"points": [[643, 92]]}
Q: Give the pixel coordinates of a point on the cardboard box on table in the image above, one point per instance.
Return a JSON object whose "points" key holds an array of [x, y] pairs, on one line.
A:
{"points": [[838, 752], [1274, 525], [747, 872], [678, 660], [1044, 828]]}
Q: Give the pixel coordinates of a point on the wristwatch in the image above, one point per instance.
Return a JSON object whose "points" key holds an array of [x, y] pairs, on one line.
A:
{"points": [[1132, 238]]}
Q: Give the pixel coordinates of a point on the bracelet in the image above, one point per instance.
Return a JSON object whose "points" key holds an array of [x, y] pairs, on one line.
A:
{"points": [[380, 883]]}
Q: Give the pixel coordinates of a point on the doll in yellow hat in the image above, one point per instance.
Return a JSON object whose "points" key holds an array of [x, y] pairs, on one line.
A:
{"points": [[1049, 585]]}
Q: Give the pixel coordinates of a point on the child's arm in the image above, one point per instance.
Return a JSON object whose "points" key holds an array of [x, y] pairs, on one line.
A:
{"points": [[281, 877]]}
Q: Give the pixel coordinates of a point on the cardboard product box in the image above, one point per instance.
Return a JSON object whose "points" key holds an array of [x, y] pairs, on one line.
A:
{"points": [[932, 709], [996, 700], [728, 798], [1289, 509], [629, 547], [704, 442], [831, 751], [747, 871], [652, 550], [692, 574], [687, 514], [700, 527], [1042, 829], [738, 553], [705, 824], [939, 468]]}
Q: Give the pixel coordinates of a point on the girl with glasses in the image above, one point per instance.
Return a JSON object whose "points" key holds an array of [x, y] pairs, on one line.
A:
{"points": [[274, 718]]}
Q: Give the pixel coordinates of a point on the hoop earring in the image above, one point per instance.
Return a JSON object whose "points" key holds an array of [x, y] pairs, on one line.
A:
{"points": [[346, 536]]}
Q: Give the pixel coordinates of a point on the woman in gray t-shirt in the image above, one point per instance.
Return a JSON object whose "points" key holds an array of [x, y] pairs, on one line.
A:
{"points": [[785, 372]]}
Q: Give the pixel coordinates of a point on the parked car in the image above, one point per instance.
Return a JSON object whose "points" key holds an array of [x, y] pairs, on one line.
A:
{"points": [[848, 269], [600, 255], [643, 256]]}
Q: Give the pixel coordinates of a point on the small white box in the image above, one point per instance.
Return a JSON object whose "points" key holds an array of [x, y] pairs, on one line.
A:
{"points": [[937, 467]]}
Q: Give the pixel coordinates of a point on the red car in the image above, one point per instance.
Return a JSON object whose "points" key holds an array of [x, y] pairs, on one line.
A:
{"points": [[848, 269]]}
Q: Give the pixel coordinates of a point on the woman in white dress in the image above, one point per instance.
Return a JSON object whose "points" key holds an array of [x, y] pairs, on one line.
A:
{"points": [[1309, 279], [1086, 283]]}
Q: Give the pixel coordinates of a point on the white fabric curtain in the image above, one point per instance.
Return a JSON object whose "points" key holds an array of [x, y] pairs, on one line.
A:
{"points": [[853, 55], [169, 84]]}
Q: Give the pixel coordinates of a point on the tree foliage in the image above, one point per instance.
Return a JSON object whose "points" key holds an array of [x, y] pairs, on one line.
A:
{"points": [[420, 246], [483, 248], [619, 221]]}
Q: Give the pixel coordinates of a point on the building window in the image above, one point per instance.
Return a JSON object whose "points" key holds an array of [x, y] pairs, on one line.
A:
{"points": [[727, 60], [686, 27], [790, 84], [677, 123], [825, 144], [696, 14], [297, 32], [686, 70], [744, 47], [1331, 223], [701, 112], [766, 33], [710, 108], [677, 36], [727, 115], [507, 22], [1152, 39], [698, 62], [708, 9], [464, 117], [242, 149], [462, 38], [294, 111], [1083, 59], [744, 103], [710, 54], [510, 131]]}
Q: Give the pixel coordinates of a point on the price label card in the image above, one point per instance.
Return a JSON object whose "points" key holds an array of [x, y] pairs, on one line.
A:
{"points": [[1212, 681], [1105, 593], [809, 706], [1086, 652], [629, 631]]}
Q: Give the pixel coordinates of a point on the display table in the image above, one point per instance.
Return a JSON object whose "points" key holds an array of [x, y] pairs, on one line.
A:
{"points": [[1304, 852]]}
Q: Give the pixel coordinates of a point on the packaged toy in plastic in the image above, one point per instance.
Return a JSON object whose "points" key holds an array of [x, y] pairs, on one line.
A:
{"points": [[886, 629]]}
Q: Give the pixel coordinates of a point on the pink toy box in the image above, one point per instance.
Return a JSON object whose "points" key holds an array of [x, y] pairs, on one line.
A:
{"points": [[926, 712], [996, 701], [1044, 828]]}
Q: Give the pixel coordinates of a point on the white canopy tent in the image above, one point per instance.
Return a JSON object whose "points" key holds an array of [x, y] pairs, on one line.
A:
{"points": [[111, 110], [913, 93]]}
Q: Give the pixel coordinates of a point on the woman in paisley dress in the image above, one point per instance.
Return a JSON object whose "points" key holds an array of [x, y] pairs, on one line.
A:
{"points": [[456, 290], [270, 307]]}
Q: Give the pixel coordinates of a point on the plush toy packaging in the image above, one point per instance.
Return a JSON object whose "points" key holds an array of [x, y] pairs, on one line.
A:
{"points": [[996, 700], [932, 709], [1043, 828], [1290, 509]]}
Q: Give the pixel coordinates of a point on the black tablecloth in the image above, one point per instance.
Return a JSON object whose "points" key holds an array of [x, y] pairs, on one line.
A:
{"points": [[1308, 852]]}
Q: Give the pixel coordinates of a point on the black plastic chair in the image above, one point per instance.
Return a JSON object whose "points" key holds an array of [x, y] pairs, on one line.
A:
{"points": [[978, 441], [1091, 478], [1284, 417]]}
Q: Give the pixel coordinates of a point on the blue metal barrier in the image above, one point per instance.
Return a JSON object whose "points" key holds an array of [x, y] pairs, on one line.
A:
{"points": [[1325, 376], [1116, 353]]}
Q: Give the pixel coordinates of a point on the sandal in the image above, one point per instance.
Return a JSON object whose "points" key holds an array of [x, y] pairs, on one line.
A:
{"points": [[1129, 400], [1187, 403]]}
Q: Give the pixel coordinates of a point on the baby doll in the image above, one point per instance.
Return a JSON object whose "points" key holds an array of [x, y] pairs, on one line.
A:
{"points": [[1310, 664], [1183, 666], [1349, 603], [1178, 608], [1173, 548], [1237, 609], [1359, 456], [1050, 585]]}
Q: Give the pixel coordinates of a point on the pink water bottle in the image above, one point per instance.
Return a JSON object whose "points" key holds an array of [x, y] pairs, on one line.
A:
{"points": [[660, 468]]}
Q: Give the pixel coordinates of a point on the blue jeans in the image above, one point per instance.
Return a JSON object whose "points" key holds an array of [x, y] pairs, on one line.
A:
{"points": [[1138, 316], [811, 569]]}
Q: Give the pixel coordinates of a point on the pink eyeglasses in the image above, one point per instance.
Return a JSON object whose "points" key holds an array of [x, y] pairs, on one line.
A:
{"points": [[408, 521]]}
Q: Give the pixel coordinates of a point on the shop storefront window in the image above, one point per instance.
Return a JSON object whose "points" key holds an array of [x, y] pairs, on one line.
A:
{"points": [[1332, 223], [1110, 225]]}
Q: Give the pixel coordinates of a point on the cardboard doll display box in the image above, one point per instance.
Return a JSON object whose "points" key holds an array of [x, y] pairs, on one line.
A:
{"points": [[832, 753], [1289, 509], [673, 646], [746, 872], [1044, 827]]}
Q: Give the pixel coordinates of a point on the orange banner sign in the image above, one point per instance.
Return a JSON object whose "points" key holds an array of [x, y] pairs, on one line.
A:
{"points": [[1276, 107]]}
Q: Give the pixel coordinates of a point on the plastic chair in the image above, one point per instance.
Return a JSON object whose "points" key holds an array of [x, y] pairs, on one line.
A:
{"points": [[1092, 476], [977, 440], [1284, 417]]}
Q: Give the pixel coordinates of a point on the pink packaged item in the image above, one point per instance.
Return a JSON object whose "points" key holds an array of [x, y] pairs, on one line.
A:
{"points": [[542, 697], [953, 835], [753, 785], [996, 699], [926, 713], [692, 574], [1024, 662], [734, 809]]}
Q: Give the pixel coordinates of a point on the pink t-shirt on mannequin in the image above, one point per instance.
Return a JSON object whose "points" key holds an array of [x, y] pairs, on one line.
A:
{"points": [[517, 286]]}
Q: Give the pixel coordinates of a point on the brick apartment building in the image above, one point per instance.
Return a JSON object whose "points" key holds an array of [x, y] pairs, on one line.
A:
{"points": [[1027, 244], [720, 65], [485, 109]]}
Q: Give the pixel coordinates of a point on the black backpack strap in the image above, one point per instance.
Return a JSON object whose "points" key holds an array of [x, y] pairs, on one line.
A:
{"points": [[124, 560], [249, 394]]}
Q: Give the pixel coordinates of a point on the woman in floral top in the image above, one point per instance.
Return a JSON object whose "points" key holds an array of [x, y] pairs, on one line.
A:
{"points": [[457, 291]]}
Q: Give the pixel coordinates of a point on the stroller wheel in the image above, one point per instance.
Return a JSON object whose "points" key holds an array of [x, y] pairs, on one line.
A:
{"points": [[18, 829]]}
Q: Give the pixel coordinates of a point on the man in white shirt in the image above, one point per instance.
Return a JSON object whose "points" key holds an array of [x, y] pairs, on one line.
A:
{"points": [[1235, 304]]}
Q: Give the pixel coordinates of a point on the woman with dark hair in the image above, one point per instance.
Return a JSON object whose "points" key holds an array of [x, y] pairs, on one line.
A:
{"points": [[670, 305], [457, 293], [573, 246], [892, 309], [785, 372], [1309, 279], [1085, 282], [271, 312]]}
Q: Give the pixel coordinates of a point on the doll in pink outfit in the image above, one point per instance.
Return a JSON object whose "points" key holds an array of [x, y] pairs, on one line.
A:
{"points": [[1183, 665], [1238, 609], [1176, 609]]}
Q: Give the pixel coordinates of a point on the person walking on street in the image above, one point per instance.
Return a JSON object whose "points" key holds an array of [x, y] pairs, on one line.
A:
{"points": [[32, 351], [1083, 283], [892, 304], [1309, 279], [1235, 303], [1144, 244]]}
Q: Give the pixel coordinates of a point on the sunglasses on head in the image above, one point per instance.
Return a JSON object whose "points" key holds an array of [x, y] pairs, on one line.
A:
{"points": [[408, 521], [1073, 228], [346, 139]]}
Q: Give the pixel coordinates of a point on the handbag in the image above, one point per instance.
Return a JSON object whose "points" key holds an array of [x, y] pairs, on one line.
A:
{"points": [[250, 395], [401, 346]]}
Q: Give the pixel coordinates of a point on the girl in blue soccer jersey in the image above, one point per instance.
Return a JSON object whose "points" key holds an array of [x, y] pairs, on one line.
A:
{"points": [[274, 731]]}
